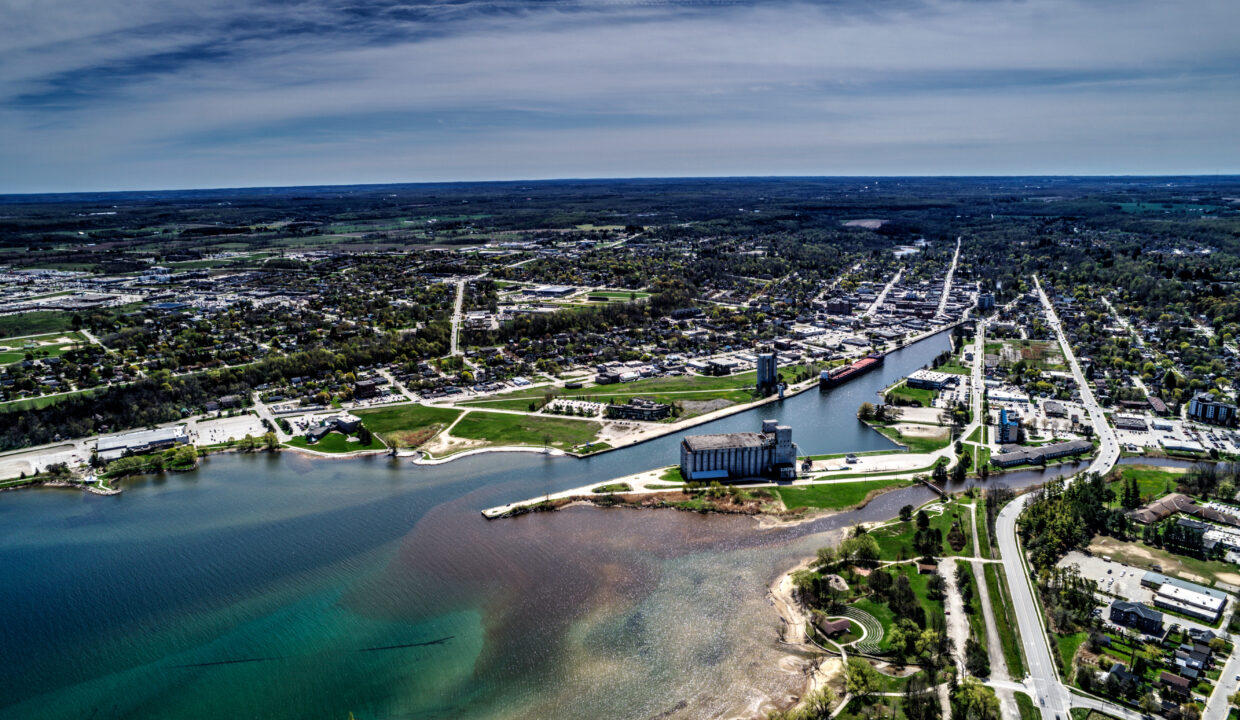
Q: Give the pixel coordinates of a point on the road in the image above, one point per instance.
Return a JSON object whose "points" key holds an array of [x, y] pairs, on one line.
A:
{"points": [[1053, 698], [947, 283], [457, 307], [1227, 685], [878, 301]]}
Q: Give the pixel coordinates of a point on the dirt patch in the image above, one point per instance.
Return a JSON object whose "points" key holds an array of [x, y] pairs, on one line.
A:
{"points": [[411, 438], [1138, 556], [921, 431], [701, 407], [867, 223]]}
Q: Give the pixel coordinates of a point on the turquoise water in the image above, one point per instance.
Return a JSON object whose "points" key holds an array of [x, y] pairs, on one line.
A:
{"points": [[288, 587]]}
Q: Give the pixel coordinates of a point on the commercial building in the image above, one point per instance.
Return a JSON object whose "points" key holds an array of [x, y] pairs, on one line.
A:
{"points": [[1204, 408], [1020, 456], [1129, 422], [986, 301], [1054, 409], [730, 456], [553, 290], [839, 307], [930, 380], [1185, 597], [639, 409], [111, 447]]}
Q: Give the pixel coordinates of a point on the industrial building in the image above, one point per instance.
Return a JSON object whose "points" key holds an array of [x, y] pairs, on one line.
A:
{"points": [[768, 374], [731, 456], [930, 380], [1185, 597], [111, 447]]}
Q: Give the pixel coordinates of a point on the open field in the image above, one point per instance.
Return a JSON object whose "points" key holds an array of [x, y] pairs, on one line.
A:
{"points": [[49, 345], [918, 397], [503, 429], [895, 540], [31, 323], [917, 438], [408, 425], [335, 443], [1152, 482], [834, 496]]}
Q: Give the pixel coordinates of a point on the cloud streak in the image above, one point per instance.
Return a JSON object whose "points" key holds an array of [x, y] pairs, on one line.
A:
{"points": [[219, 92]]}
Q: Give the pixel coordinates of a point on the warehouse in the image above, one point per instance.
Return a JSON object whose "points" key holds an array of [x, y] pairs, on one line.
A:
{"points": [[111, 447]]}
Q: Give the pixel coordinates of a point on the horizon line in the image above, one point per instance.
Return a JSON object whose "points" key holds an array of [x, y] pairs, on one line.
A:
{"points": [[633, 178]]}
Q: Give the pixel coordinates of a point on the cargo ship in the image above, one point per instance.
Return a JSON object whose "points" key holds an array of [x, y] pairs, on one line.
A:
{"points": [[840, 375]]}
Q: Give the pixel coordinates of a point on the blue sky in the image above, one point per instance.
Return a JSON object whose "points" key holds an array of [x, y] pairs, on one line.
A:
{"points": [[152, 94]]}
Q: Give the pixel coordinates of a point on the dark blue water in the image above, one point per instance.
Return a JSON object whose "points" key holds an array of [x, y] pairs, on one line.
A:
{"points": [[288, 587]]}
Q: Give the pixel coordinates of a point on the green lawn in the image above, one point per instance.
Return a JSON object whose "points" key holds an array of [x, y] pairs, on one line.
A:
{"points": [[1028, 711], [954, 367], [921, 397], [334, 442], [33, 323], [501, 429], [983, 538], [883, 614], [407, 425], [1152, 482], [977, 620], [895, 541], [976, 435], [833, 496], [917, 444], [613, 488], [1068, 645], [41, 402], [1001, 607], [672, 475]]}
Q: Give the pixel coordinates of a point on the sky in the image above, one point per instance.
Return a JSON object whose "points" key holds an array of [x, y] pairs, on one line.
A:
{"points": [[162, 94]]}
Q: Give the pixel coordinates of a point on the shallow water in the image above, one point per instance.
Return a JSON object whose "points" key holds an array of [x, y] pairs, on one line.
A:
{"points": [[289, 587]]}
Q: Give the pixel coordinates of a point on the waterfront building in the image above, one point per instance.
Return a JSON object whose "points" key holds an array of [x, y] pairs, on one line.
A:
{"points": [[1022, 455], [768, 373], [639, 409], [111, 447], [930, 380], [732, 456], [1204, 408]]}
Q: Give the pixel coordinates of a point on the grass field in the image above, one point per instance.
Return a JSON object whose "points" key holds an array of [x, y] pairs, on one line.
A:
{"points": [[408, 425], [1027, 709], [1000, 605], [895, 541], [920, 397], [335, 443], [18, 353], [975, 616], [983, 538], [833, 496], [1152, 482], [41, 402], [917, 444], [953, 367], [34, 323], [502, 429], [1067, 645]]}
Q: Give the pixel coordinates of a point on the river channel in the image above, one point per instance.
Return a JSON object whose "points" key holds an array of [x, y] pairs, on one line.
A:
{"points": [[282, 586]]}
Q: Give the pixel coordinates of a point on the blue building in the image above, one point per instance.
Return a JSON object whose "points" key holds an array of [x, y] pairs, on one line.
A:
{"points": [[1008, 427]]}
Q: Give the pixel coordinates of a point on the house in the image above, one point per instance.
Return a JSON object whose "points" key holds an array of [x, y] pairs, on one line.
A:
{"points": [[1137, 616], [1174, 684], [833, 628], [1122, 677]]}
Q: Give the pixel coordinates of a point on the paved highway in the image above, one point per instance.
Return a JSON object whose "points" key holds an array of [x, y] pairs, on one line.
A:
{"points": [[1052, 696]]}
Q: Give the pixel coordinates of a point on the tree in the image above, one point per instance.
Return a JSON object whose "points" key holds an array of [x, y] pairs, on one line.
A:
{"points": [[976, 661], [974, 701], [364, 436], [861, 679], [923, 520], [866, 411], [861, 549], [270, 441], [906, 513], [248, 443]]}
